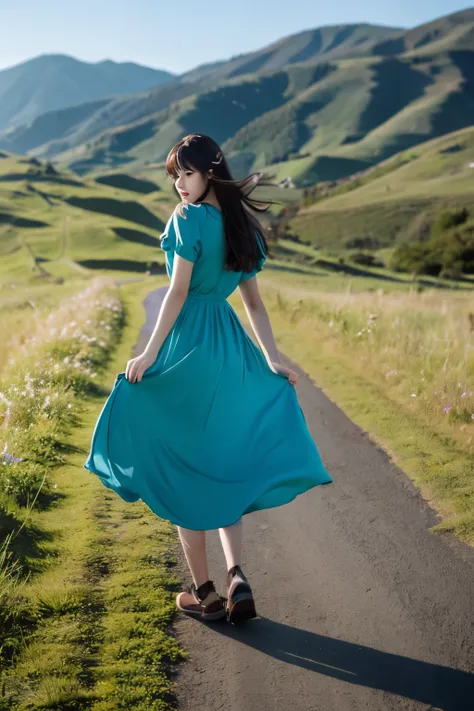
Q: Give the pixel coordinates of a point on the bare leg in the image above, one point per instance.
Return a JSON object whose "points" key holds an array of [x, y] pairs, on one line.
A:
{"points": [[194, 547], [231, 540], [207, 603], [242, 606]]}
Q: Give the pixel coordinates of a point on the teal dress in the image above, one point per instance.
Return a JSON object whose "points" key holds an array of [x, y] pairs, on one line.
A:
{"points": [[210, 433]]}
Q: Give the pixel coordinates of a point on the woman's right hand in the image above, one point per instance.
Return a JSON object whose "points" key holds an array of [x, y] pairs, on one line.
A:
{"points": [[285, 372], [136, 367]]}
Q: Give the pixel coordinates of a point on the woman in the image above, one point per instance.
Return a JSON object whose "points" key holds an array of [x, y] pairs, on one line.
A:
{"points": [[204, 426]]}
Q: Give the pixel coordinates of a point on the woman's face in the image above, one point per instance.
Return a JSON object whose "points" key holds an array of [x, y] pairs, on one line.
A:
{"points": [[190, 185]]}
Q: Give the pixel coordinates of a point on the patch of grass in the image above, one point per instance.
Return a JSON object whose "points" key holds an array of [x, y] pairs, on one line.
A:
{"points": [[45, 233], [128, 210], [103, 602], [339, 271], [127, 182], [48, 371], [357, 370], [386, 202]]}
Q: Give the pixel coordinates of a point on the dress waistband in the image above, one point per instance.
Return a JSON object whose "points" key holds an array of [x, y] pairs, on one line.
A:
{"points": [[207, 297]]}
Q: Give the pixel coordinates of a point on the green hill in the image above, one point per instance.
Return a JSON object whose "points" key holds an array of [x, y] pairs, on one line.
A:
{"points": [[51, 82], [450, 32], [61, 130], [315, 106], [319, 122], [395, 201], [53, 225], [319, 44]]}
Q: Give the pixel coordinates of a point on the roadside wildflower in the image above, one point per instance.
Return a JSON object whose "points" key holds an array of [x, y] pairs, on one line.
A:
{"points": [[9, 458]]}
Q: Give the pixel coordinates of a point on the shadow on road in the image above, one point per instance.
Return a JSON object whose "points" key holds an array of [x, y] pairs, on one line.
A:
{"points": [[441, 687]]}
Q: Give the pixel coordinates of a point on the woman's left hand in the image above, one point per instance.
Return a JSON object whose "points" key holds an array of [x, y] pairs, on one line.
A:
{"points": [[137, 366], [284, 372]]}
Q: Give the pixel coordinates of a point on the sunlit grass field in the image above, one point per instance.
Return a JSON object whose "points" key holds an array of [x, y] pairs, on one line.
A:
{"points": [[401, 365]]}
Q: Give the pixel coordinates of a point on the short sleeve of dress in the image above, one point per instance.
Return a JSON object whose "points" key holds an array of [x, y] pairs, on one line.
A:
{"points": [[182, 234], [167, 236], [187, 232], [260, 262]]}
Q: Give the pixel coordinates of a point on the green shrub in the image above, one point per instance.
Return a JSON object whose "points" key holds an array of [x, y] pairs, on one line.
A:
{"points": [[416, 258], [447, 219], [21, 481], [366, 259], [449, 252]]}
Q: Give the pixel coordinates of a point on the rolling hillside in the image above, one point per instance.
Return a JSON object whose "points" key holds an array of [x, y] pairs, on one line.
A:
{"points": [[319, 105], [319, 44], [316, 122], [395, 201], [53, 225], [51, 82], [452, 31], [57, 131]]}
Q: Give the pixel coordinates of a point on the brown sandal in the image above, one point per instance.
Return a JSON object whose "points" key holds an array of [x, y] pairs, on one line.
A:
{"points": [[208, 606], [240, 605]]}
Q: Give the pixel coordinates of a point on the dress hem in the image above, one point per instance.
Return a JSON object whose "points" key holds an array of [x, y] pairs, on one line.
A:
{"points": [[247, 511]]}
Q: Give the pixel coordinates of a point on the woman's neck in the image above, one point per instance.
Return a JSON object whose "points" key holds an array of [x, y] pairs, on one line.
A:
{"points": [[211, 199]]}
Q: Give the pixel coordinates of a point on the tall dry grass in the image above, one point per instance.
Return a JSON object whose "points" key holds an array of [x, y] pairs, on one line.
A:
{"points": [[419, 345], [51, 365]]}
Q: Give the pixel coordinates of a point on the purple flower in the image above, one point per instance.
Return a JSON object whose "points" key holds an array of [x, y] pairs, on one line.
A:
{"points": [[10, 459], [447, 409]]}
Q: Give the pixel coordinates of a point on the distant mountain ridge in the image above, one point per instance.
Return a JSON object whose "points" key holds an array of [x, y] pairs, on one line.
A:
{"points": [[454, 28], [21, 101], [317, 105], [321, 43], [55, 81]]}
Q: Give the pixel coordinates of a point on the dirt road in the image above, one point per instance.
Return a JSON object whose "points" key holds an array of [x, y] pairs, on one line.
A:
{"points": [[361, 607]]}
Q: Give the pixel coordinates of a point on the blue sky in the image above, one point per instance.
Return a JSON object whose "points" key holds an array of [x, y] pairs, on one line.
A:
{"points": [[182, 34]]}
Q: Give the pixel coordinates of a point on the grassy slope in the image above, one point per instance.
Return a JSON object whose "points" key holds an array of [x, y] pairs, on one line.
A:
{"points": [[321, 269], [346, 121], [365, 121], [384, 202], [347, 118], [69, 224], [65, 225]]}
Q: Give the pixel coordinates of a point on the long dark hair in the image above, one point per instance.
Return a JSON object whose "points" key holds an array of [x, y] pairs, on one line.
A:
{"points": [[242, 229]]}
